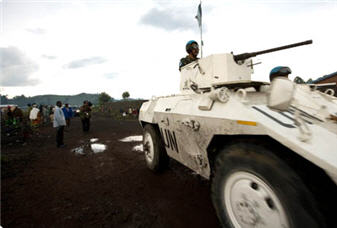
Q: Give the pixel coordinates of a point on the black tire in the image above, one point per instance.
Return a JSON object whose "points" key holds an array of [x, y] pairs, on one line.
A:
{"points": [[297, 202], [159, 160]]}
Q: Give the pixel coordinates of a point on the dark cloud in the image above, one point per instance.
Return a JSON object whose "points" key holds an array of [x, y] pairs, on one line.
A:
{"points": [[49, 57], [169, 19], [85, 62], [37, 31], [111, 75], [15, 68]]}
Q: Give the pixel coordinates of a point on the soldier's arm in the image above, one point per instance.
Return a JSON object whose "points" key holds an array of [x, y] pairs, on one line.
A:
{"points": [[182, 63]]}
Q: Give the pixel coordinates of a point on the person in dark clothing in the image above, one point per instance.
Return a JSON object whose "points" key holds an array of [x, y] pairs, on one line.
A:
{"points": [[17, 115], [68, 113], [85, 115], [9, 116], [192, 49]]}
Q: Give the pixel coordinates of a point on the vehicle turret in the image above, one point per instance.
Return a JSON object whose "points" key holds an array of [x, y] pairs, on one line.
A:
{"points": [[222, 69]]}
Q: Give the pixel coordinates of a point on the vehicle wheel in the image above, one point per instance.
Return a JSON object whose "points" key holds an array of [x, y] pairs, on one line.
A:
{"points": [[154, 150], [251, 187]]}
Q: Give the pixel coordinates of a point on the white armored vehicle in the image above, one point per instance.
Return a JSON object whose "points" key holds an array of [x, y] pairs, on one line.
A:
{"points": [[270, 150]]}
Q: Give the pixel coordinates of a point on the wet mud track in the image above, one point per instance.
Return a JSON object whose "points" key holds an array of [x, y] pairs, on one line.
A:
{"points": [[43, 186]]}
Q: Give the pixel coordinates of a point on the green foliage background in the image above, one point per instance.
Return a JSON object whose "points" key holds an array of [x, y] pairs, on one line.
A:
{"points": [[104, 98], [126, 95], [75, 100]]}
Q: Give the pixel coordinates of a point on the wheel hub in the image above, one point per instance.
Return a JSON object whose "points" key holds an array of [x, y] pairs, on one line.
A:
{"points": [[148, 147], [246, 212], [250, 202]]}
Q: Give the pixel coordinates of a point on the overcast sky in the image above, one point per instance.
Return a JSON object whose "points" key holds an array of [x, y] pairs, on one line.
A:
{"points": [[93, 46]]}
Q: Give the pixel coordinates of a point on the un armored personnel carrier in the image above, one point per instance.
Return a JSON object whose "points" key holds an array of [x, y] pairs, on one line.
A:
{"points": [[269, 149]]}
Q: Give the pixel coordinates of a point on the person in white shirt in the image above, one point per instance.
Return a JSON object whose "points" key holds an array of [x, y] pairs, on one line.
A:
{"points": [[59, 122], [34, 116]]}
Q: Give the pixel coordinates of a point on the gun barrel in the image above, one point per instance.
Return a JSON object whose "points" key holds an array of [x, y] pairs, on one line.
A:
{"points": [[253, 54], [284, 47]]}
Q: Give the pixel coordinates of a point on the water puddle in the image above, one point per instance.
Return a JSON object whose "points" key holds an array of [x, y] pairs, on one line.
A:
{"points": [[89, 146], [138, 148], [78, 150], [98, 147], [135, 138]]}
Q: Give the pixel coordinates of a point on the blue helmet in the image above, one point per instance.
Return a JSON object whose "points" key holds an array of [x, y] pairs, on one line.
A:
{"points": [[189, 45], [279, 71]]}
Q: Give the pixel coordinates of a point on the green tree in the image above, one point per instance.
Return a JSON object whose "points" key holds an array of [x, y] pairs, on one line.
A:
{"points": [[310, 81], [103, 98], [20, 100], [126, 95], [4, 99], [299, 80]]}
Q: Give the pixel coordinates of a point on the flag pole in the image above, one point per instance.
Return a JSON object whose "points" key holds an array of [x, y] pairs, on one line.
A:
{"points": [[201, 42], [199, 18]]}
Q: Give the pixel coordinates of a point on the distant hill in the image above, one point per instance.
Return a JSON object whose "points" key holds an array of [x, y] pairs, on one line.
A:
{"points": [[78, 99]]}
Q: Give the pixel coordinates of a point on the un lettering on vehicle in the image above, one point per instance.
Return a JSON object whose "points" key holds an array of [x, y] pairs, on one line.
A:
{"points": [[169, 139]]}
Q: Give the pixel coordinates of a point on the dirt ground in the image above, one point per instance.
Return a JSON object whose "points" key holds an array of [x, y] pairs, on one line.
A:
{"points": [[44, 186]]}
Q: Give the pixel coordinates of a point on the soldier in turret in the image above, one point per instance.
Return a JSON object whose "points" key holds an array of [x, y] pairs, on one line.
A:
{"points": [[192, 49], [280, 71]]}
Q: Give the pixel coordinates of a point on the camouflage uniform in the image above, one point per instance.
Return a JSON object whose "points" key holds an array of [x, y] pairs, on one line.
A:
{"points": [[85, 114], [184, 61], [85, 111]]}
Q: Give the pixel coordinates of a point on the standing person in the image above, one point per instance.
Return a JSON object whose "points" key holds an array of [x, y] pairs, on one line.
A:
{"points": [[59, 122], [68, 113], [51, 113], [85, 114], [19, 123], [9, 116], [34, 116], [192, 48], [29, 108], [41, 120], [17, 115], [45, 113]]}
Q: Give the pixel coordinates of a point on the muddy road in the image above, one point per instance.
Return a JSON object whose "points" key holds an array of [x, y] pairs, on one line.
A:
{"points": [[45, 186]]}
